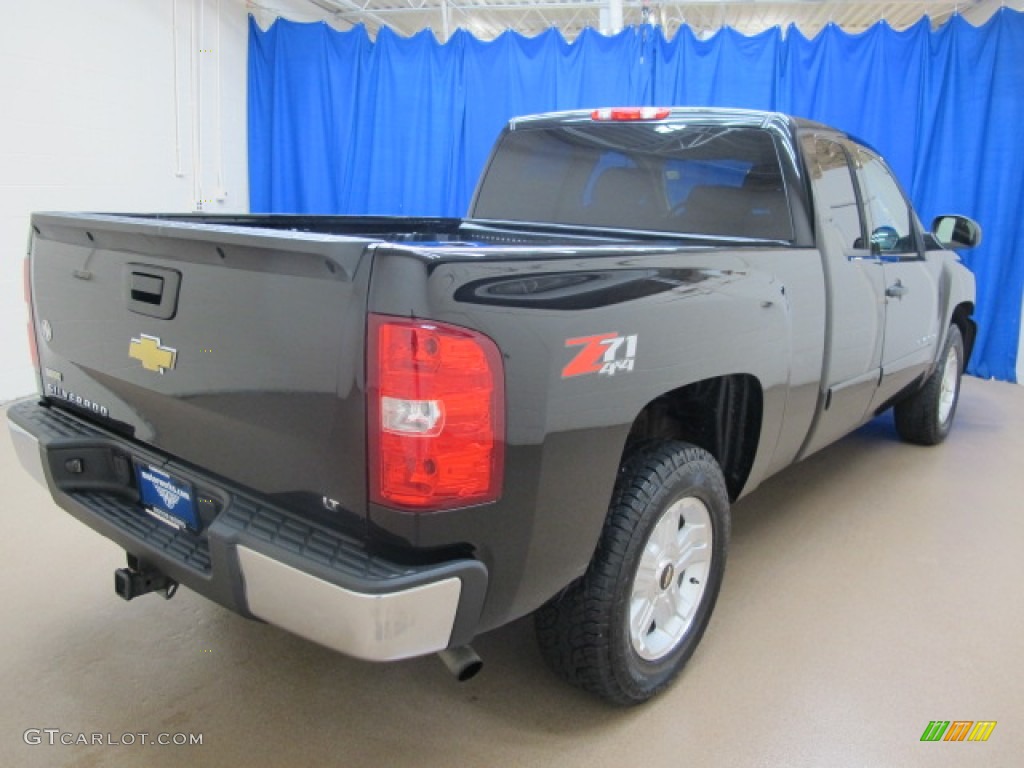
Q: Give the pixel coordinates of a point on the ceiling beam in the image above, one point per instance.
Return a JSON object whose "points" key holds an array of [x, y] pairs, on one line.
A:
{"points": [[488, 18], [339, 8]]}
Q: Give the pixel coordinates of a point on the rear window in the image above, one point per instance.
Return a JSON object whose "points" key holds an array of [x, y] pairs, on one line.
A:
{"points": [[686, 179]]}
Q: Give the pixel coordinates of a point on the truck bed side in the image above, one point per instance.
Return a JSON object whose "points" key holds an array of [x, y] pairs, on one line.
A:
{"points": [[567, 431]]}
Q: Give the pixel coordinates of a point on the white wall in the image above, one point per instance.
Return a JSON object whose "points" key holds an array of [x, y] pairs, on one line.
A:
{"points": [[1020, 352], [91, 123]]}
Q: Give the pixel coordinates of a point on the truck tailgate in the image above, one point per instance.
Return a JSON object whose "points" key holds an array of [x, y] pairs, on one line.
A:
{"points": [[240, 351]]}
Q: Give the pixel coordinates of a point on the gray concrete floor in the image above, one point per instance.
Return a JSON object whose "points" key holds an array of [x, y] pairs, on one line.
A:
{"points": [[871, 589]]}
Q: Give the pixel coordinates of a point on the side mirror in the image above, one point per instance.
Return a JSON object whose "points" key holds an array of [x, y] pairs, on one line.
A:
{"points": [[884, 239], [957, 232]]}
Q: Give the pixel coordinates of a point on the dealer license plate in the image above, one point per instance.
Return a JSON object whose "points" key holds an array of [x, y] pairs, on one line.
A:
{"points": [[166, 498]]}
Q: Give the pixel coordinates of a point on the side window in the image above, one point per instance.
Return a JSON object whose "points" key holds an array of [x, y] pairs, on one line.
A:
{"points": [[887, 209], [834, 193]]}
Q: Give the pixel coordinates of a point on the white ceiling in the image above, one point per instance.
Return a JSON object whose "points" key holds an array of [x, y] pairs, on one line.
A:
{"points": [[487, 19]]}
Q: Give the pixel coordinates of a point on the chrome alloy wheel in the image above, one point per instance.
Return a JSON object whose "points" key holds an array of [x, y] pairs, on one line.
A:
{"points": [[670, 579], [950, 382]]}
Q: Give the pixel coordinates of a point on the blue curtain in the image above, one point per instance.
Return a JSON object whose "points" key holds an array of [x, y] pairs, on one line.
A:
{"points": [[340, 124]]}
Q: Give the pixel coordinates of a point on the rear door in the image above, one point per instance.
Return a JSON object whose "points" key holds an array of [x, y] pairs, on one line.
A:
{"points": [[911, 292], [855, 285]]}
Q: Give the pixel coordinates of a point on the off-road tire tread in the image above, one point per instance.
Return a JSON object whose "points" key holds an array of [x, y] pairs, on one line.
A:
{"points": [[572, 629]]}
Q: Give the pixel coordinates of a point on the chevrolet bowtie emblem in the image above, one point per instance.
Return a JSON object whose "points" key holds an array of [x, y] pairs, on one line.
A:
{"points": [[154, 357]]}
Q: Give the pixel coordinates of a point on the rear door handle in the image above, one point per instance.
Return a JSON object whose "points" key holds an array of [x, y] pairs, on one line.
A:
{"points": [[897, 290]]}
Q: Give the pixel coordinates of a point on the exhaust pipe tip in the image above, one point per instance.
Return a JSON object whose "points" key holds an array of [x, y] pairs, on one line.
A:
{"points": [[462, 662]]}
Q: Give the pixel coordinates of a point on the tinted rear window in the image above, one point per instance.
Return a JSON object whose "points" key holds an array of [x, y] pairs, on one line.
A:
{"points": [[689, 179]]}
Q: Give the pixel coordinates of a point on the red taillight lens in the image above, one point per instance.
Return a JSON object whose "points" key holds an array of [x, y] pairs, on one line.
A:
{"points": [[622, 114], [33, 346], [436, 429]]}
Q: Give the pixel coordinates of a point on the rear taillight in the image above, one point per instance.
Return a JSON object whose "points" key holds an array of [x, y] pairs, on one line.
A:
{"points": [[33, 347], [436, 429]]}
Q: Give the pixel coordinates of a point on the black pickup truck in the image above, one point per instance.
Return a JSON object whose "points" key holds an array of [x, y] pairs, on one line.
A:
{"points": [[389, 435]]}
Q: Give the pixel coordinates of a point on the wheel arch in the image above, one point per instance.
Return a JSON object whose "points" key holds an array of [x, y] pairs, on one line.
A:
{"points": [[722, 415]]}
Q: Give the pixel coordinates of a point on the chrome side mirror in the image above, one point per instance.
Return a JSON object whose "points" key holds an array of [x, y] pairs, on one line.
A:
{"points": [[957, 232]]}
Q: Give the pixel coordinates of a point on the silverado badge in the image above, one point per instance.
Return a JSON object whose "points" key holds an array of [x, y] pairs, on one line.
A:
{"points": [[153, 356]]}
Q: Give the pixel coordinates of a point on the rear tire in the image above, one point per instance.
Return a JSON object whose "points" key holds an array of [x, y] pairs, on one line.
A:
{"points": [[627, 627], [926, 416]]}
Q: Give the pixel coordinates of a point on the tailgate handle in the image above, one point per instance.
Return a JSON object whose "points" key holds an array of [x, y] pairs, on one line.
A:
{"points": [[147, 288], [152, 291]]}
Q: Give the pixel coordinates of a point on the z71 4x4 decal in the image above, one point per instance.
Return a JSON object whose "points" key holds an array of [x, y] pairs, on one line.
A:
{"points": [[604, 354]]}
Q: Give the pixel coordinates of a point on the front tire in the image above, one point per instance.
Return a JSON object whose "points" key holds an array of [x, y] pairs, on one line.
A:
{"points": [[627, 627], [927, 415]]}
